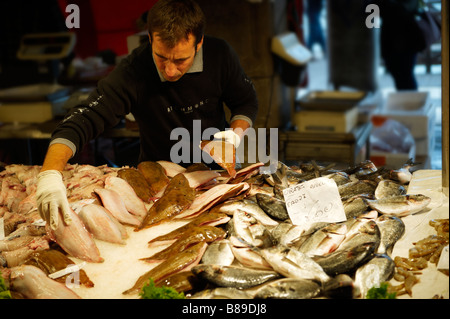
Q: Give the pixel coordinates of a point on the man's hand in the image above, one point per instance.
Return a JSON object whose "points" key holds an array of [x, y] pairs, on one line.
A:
{"points": [[51, 198], [228, 136]]}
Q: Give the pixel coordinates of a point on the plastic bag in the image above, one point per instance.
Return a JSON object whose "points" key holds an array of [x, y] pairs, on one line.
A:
{"points": [[391, 136]]}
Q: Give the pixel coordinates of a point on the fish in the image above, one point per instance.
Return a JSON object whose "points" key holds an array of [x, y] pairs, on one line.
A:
{"points": [[138, 182], [249, 258], [400, 205], [20, 255], [361, 230], [222, 293], [347, 260], [207, 234], [234, 276], [171, 169], [102, 225], [359, 187], [392, 229], [223, 153], [341, 286], [250, 230], [250, 207], [219, 253], [212, 218], [273, 206], [376, 271], [113, 202], [132, 202], [75, 240], [355, 206], [177, 197], [155, 175], [285, 233], [183, 281], [52, 260], [340, 178], [198, 179], [387, 188], [183, 261], [324, 241], [292, 264], [289, 288], [32, 283], [402, 175]]}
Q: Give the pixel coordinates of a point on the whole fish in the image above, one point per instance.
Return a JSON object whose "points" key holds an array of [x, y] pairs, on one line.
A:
{"points": [[171, 169], [249, 258], [360, 231], [285, 233], [391, 229], [183, 281], [155, 175], [102, 225], [132, 202], [195, 235], [177, 197], [33, 283], [183, 261], [355, 206], [250, 230], [75, 240], [324, 240], [347, 260], [234, 276], [387, 188], [248, 206], [289, 288], [400, 205], [376, 271], [360, 187], [138, 182], [222, 293], [292, 263], [219, 253], [113, 202], [403, 174], [273, 206], [340, 178]]}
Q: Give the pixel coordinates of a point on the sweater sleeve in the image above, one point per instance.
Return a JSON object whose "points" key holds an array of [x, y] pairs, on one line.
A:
{"points": [[104, 108], [239, 93]]}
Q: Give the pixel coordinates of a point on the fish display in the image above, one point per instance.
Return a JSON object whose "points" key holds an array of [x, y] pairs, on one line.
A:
{"points": [[237, 239]]}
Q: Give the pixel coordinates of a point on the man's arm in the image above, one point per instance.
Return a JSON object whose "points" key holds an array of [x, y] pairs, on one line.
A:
{"points": [[57, 157]]}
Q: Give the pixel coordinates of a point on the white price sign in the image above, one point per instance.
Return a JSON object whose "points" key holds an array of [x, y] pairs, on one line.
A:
{"points": [[317, 200]]}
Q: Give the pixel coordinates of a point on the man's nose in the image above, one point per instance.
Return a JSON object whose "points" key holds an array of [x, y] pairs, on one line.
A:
{"points": [[171, 69]]}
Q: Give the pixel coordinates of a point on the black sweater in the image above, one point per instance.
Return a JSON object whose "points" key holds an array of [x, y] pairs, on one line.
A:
{"points": [[160, 107]]}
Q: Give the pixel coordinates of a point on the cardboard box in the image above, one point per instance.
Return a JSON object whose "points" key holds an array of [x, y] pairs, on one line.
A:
{"points": [[308, 121], [391, 160]]}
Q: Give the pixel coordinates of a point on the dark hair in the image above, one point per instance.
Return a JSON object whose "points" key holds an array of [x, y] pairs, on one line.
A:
{"points": [[174, 20]]}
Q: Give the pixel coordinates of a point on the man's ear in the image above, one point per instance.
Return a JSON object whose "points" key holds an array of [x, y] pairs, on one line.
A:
{"points": [[199, 45], [149, 37]]}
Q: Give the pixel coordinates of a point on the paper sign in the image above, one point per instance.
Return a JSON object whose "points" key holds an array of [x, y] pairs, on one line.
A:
{"points": [[317, 200], [443, 260]]}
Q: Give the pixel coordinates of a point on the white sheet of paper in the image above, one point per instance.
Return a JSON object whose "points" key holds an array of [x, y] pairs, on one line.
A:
{"points": [[317, 200]]}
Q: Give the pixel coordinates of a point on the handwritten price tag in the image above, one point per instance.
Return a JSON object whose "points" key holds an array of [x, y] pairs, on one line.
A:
{"points": [[317, 200]]}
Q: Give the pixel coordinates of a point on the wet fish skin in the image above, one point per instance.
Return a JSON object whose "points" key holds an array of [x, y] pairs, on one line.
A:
{"points": [[179, 262], [234, 276], [325, 240], [392, 229], [355, 206], [219, 253], [379, 269], [347, 260], [289, 288], [340, 178], [113, 202], [249, 206], [387, 188], [138, 182], [361, 231], [155, 175], [222, 293], [273, 206], [400, 205], [183, 281], [250, 230], [360, 187]]}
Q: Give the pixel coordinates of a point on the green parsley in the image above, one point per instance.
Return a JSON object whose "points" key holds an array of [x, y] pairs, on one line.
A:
{"points": [[150, 291], [4, 292], [380, 292]]}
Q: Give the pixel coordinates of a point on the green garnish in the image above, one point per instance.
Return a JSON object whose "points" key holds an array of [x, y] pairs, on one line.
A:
{"points": [[4, 292], [380, 292], [150, 291]]}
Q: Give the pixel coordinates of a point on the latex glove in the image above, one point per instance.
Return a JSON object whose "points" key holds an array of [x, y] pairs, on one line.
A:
{"points": [[51, 198], [229, 136]]}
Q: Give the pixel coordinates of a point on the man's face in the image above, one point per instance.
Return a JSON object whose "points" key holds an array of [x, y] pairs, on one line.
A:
{"points": [[174, 62]]}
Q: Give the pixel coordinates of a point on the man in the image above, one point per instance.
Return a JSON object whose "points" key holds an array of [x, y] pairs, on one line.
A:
{"points": [[179, 78]]}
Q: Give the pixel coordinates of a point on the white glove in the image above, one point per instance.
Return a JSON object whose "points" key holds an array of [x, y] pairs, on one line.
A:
{"points": [[229, 136], [51, 198]]}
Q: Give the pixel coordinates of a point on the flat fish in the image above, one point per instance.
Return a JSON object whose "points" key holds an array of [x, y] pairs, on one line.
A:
{"points": [[183, 281], [171, 169], [223, 153], [234, 276], [177, 197], [33, 283], [155, 175], [183, 261], [400, 205], [102, 225], [75, 240], [138, 182], [132, 202], [113, 202]]}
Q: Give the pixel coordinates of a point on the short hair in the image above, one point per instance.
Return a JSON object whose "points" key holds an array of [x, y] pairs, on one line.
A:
{"points": [[174, 20]]}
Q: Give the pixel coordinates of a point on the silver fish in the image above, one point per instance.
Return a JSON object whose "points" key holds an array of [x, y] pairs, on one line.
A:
{"points": [[361, 231], [234, 276], [289, 288], [218, 253], [387, 188], [273, 206], [347, 260], [360, 187], [379, 269], [249, 258], [324, 240], [355, 206], [250, 207], [340, 178], [400, 205], [250, 230], [292, 263], [392, 229], [222, 293]]}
